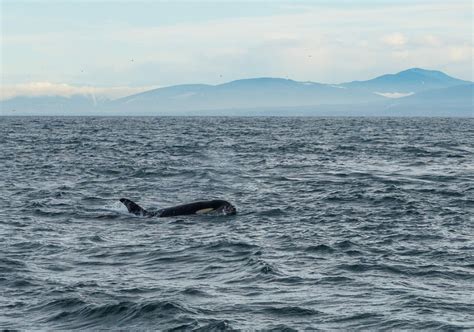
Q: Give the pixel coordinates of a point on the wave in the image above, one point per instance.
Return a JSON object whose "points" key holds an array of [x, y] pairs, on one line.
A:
{"points": [[75, 314], [291, 311]]}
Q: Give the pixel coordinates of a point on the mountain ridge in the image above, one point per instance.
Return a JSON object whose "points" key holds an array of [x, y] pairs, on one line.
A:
{"points": [[409, 80], [262, 93]]}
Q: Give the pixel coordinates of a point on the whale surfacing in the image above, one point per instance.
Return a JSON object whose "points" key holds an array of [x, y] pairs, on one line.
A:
{"points": [[201, 207]]}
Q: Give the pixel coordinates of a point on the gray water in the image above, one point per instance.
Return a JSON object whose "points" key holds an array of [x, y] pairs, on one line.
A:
{"points": [[343, 223]]}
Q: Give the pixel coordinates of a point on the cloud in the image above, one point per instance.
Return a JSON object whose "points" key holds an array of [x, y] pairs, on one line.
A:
{"points": [[461, 53], [65, 90], [325, 43], [395, 39], [431, 40]]}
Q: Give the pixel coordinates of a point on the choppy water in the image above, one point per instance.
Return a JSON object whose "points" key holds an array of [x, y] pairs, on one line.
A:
{"points": [[343, 223]]}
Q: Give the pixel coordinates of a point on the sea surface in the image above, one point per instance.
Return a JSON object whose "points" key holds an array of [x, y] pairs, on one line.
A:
{"points": [[342, 224]]}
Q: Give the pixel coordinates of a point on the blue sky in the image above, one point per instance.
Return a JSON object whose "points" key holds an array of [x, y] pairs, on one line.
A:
{"points": [[116, 48]]}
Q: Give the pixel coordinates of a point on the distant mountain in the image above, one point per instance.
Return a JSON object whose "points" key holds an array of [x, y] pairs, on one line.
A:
{"points": [[247, 93], [408, 81], [426, 92], [456, 101]]}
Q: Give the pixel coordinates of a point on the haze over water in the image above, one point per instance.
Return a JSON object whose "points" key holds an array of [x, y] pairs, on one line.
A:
{"points": [[347, 223]]}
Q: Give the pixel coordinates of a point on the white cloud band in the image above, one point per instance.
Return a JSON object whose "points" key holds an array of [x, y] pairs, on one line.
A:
{"points": [[65, 90]]}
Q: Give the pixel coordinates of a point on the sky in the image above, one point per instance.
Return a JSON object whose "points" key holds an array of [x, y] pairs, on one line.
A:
{"points": [[117, 48]]}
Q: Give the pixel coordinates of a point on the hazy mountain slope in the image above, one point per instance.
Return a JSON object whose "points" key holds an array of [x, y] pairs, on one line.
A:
{"points": [[454, 94], [50, 105], [258, 92], [452, 101]]}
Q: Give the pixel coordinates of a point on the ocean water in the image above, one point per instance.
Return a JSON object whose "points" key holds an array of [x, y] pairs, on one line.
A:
{"points": [[343, 223]]}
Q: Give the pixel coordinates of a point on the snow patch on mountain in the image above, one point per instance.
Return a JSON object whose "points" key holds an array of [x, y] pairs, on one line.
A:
{"points": [[394, 95]]}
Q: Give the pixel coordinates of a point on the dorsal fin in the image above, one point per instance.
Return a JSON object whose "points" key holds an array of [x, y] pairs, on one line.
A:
{"points": [[133, 207]]}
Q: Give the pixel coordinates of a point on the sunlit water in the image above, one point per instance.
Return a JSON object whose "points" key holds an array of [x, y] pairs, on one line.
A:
{"points": [[343, 223]]}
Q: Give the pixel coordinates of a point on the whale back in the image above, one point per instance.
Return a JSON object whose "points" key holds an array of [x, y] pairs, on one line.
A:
{"points": [[201, 207], [191, 208]]}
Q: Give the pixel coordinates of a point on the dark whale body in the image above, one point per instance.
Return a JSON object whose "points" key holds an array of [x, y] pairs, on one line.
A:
{"points": [[201, 207]]}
